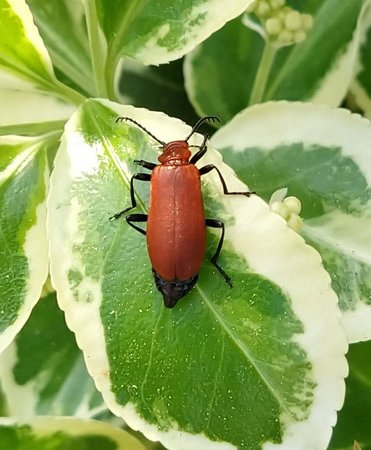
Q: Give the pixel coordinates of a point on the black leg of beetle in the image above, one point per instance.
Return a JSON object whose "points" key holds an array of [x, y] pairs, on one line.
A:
{"points": [[213, 223], [209, 167], [137, 218], [201, 152], [145, 164], [136, 176]]}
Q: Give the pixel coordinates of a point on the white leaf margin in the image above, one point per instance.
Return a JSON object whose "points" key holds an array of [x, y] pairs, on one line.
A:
{"points": [[217, 14], [21, 9], [324, 341], [332, 89], [22, 399], [46, 425], [31, 107], [362, 98], [36, 251], [272, 124]]}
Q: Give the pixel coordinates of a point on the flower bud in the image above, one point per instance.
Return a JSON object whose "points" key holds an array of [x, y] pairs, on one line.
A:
{"points": [[295, 222], [262, 9], [307, 21], [273, 26], [281, 209], [285, 37], [277, 4], [293, 21], [293, 203]]}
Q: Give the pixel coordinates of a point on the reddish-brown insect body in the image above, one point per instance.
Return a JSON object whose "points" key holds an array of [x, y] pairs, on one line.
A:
{"points": [[176, 224], [176, 230]]}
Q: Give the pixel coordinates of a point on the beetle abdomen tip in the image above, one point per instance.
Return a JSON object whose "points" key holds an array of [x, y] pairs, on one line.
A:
{"points": [[173, 290]]}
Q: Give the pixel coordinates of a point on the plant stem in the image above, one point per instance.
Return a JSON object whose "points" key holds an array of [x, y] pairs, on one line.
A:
{"points": [[97, 52], [114, 53], [262, 74], [69, 94], [111, 68]]}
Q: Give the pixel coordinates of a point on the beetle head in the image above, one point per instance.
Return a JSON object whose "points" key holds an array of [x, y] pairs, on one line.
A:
{"points": [[175, 153]]}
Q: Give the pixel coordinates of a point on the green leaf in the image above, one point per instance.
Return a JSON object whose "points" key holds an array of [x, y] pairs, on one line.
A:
{"points": [[61, 24], [156, 33], [150, 32], [22, 52], [227, 91], [322, 156], [32, 110], [46, 369], [24, 60], [52, 433], [326, 58], [361, 86], [23, 246], [158, 88], [354, 419], [260, 364], [319, 70]]}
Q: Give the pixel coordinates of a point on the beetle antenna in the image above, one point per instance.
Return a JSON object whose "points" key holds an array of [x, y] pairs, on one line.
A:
{"points": [[121, 119], [200, 122]]}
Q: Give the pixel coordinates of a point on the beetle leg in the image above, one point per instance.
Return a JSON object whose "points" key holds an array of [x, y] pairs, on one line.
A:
{"points": [[136, 176], [145, 164], [201, 152], [213, 223], [209, 167], [137, 218]]}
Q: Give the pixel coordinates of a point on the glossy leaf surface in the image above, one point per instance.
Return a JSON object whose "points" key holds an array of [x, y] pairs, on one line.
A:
{"points": [[291, 145], [59, 433], [158, 32], [224, 369], [62, 26], [45, 368], [23, 247]]}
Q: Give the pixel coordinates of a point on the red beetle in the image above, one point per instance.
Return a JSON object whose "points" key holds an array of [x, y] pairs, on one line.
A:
{"points": [[176, 224]]}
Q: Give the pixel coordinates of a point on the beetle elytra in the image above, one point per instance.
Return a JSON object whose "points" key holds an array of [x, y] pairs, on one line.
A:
{"points": [[176, 223]]}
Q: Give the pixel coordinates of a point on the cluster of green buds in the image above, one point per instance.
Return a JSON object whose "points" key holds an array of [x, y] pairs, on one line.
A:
{"points": [[282, 24], [288, 208]]}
